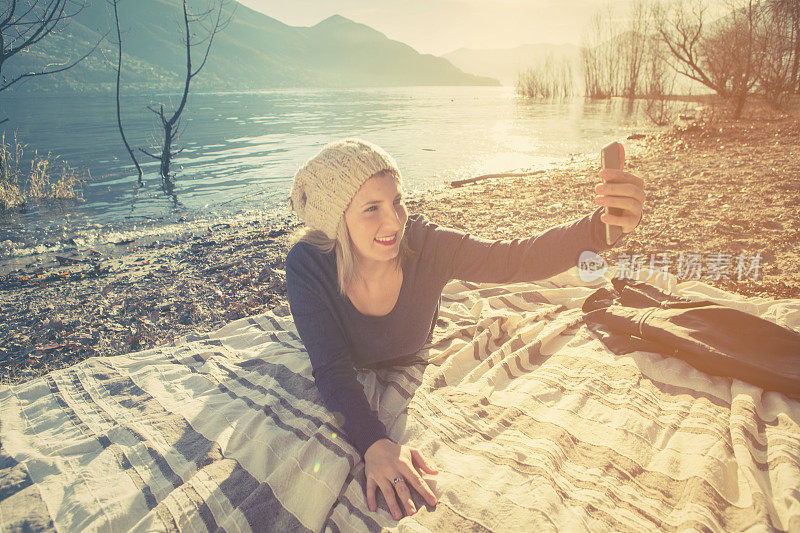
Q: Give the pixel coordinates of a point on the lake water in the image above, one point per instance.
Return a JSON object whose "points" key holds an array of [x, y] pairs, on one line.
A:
{"points": [[242, 149]]}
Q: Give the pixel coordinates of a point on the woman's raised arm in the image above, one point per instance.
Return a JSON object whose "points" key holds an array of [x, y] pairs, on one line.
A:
{"points": [[459, 255]]}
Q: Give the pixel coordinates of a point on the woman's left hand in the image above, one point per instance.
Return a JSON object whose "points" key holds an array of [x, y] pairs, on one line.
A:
{"points": [[625, 191]]}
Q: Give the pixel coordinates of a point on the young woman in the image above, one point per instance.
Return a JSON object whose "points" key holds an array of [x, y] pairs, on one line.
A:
{"points": [[364, 281]]}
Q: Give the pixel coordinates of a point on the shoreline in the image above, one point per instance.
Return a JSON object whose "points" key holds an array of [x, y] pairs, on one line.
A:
{"points": [[713, 187]]}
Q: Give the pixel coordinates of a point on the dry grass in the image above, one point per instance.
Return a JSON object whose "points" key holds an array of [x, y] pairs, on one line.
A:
{"points": [[49, 177]]}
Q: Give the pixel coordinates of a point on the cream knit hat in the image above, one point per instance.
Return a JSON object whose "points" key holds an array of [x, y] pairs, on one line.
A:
{"points": [[326, 183]]}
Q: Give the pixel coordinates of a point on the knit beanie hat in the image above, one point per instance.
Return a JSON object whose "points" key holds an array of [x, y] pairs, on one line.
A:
{"points": [[326, 183]]}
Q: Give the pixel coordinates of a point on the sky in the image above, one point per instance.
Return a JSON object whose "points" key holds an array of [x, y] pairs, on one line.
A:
{"points": [[441, 26]]}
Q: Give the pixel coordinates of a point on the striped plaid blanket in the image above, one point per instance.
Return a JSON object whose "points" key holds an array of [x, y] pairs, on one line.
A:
{"points": [[531, 421]]}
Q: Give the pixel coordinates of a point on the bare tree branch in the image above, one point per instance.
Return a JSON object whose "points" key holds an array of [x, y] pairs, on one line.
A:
{"points": [[682, 38], [119, 75], [218, 26], [159, 113], [42, 27], [722, 57], [11, 9], [19, 31], [45, 72], [145, 152]]}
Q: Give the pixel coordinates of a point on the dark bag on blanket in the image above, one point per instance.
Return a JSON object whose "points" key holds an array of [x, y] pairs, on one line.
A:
{"points": [[716, 339]]}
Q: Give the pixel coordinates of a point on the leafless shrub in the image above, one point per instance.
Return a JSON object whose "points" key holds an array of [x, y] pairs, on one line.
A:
{"points": [[550, 78], [598, 56], [615, 52], [633, 48], [658, 83], [785, 14], [776, 41]]}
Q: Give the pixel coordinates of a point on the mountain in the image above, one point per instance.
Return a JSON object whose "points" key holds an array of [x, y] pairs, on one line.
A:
{"points": [[253, 52], [506, 64]]}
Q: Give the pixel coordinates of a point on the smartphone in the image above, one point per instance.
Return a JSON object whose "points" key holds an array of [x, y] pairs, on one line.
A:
{"points": [[613, 156]]}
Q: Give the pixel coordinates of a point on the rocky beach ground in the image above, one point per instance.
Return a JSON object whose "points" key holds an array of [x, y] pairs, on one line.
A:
{"points": [[717, 188]]}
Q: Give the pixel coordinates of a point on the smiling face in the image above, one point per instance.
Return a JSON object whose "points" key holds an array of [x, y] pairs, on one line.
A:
{"points": [[376, 220]]}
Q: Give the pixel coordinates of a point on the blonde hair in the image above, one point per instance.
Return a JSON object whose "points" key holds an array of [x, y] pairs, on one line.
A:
{"points": [[346, 259]]}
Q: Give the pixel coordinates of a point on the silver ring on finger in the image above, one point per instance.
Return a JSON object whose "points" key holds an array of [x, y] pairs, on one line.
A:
{"points": [[396, 480]]}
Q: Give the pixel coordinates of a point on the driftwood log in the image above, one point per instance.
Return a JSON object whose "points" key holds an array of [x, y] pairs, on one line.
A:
{"points": [[459, 183]]}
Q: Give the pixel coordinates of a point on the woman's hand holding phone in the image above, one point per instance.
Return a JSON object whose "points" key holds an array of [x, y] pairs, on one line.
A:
{"points": [[621, 193]]}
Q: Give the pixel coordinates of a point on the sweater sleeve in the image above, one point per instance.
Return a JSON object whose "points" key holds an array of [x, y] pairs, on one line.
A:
{"points": [[466, 257], [332, 367]]}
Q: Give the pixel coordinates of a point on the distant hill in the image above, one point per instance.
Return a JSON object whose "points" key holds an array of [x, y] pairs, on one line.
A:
{"points": [[254, 52], [506, 64]]}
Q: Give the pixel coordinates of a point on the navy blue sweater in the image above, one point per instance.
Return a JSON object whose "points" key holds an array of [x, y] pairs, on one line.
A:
{"points": [[339, 338]]}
